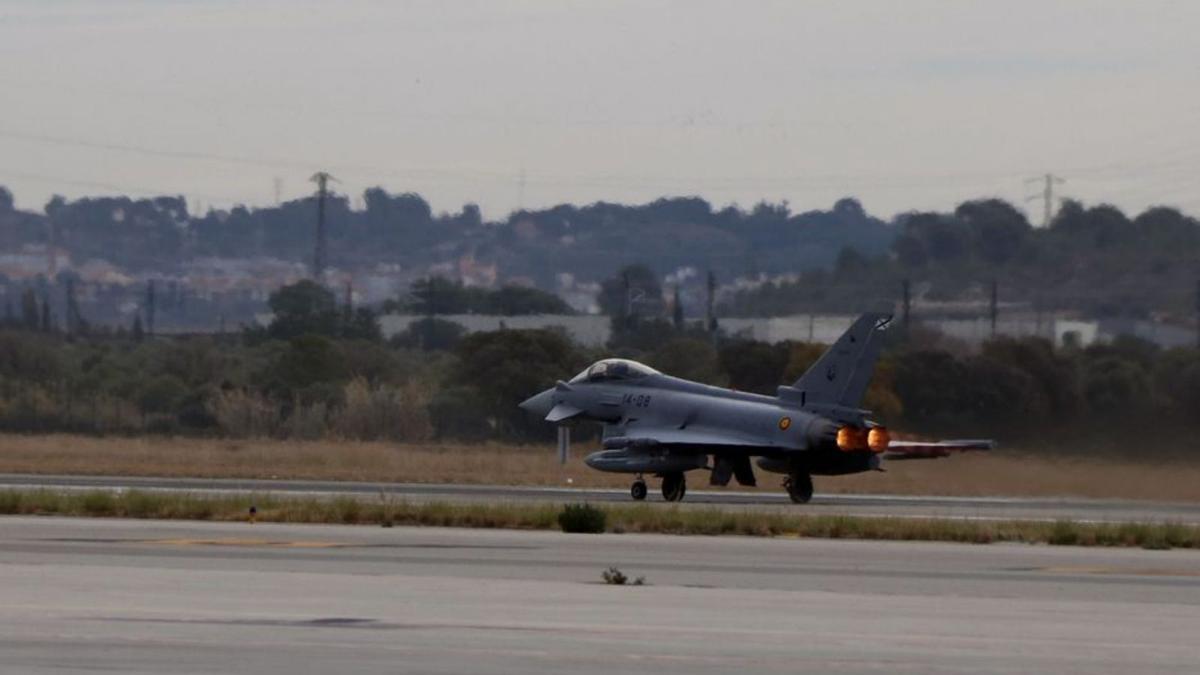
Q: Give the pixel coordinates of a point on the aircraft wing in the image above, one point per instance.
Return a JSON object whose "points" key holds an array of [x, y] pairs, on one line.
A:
{"points": [[934, 449]]}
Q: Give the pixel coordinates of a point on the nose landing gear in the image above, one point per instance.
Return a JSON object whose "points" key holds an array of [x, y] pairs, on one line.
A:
{"points": [[638, 489]]}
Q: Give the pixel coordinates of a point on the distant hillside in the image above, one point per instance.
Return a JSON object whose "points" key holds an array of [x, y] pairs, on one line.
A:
{"points": [[770, 261], [589, 241]]}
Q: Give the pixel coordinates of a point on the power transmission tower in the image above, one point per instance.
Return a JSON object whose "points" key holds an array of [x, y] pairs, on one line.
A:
{"points": [[320, 254], [1047, 196], [905, 303], [277, 184]]}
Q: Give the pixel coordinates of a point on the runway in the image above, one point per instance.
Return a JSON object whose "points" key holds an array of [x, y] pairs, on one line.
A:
{"points": [[769, 497], [185, 597]]}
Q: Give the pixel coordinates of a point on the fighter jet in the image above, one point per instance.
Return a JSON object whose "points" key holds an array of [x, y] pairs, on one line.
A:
{"points": [[666, 426]]}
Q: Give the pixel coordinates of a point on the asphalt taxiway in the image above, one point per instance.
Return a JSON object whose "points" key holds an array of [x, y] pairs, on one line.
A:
{"points": [[127, 596], [764, 498]]}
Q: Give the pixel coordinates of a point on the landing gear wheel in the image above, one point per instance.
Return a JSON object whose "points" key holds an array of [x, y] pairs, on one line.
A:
{"points": [[638, 490], [674, 486], [799, 487]]}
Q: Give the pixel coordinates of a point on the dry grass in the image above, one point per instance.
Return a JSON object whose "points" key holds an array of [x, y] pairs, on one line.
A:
{"points": [[1006, 472], [620, 519]]}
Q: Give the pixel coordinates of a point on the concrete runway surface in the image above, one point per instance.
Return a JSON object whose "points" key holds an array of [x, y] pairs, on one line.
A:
{"points": [[182, 597], [769, 497]]}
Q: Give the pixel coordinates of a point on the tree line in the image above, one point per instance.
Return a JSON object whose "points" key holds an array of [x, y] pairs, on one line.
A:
{"points": [[319, 370], [1094, 260]]}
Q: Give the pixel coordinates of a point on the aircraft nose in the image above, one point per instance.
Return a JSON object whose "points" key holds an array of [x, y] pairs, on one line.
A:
{"points": [[539, 404]]}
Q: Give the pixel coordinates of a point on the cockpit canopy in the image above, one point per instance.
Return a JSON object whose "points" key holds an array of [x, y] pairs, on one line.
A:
{"points": [[610, 370]]}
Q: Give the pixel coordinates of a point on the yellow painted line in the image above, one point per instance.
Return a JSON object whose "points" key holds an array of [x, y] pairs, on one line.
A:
{"points": [[240, 542]]}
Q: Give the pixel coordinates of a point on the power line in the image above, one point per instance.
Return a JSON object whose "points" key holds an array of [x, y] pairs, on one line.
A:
{"points": [[276, 162], [111, 187]]}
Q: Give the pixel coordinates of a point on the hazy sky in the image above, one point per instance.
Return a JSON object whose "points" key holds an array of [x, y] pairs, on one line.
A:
{"points": [[904, 104]]}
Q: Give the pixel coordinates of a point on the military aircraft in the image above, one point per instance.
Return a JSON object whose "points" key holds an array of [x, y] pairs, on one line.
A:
{"points": [[666, 426]]}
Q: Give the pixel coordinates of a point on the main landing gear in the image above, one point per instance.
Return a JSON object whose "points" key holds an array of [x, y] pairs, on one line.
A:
{"points": [[674, 487], [799, 487]]}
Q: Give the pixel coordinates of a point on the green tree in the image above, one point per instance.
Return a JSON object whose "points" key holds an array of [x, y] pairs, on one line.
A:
{"points": [[1177, 379], [1116, 387], [801, 356], [360, 324], [1056, 373], [644, 335], [456, 412], [309, 360], [754, 366], [301, 308], [306, 307], [506, 367], [31, 317], [30, 358], [999, 230], [689, 358], [432, 296], [521, 300], [930, 383], [430, 334], [47, 317], [945, 239], [161, 394], [996, 392]]}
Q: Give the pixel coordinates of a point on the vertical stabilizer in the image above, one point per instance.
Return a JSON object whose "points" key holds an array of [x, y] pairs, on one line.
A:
{"points": [[840, 377]]}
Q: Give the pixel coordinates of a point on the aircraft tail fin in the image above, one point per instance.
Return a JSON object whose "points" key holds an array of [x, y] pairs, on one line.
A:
{"points": [[840, 377]]}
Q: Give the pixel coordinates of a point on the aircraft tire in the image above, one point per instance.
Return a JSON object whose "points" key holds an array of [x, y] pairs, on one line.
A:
{"points": [[674, 486], [799, 487], [638, 490]]}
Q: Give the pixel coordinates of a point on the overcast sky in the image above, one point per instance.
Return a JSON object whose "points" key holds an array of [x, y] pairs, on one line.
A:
{"points": [[904, 104]]}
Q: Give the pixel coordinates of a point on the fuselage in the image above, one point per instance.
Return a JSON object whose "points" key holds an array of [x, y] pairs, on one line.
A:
{"points": [[654, 422], [692, 413]]}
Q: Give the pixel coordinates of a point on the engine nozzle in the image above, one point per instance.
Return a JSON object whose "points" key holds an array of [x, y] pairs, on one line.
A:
{"points": [[850, 439], [878, 439]]}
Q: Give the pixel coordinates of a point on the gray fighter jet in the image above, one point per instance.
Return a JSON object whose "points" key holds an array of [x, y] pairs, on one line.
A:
{"points": [[666, 426]]}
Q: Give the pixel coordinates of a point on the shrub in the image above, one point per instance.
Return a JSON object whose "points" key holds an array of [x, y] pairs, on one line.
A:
{"points": [[307, 422], [244, 414], [383, 412], [583, 518]]}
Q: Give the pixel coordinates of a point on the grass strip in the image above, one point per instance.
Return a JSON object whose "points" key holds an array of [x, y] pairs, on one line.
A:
{"points": [[643, 518]]}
